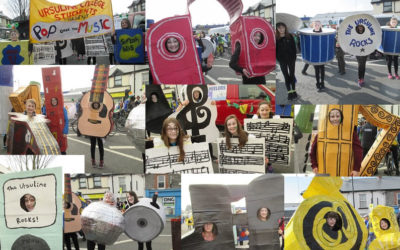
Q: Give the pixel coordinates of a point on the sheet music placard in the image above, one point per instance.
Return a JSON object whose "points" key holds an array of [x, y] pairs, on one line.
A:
{"points": [[95, 46], [163, 160], [44, 54], [248, 159], [277, 134]]}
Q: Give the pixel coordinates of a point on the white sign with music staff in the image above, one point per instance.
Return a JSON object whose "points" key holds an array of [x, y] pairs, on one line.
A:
{"points": [[163, 160], [277, 134], [248, 159]]}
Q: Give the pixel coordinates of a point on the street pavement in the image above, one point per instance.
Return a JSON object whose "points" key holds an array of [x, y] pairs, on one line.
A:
{"points": [[120, 155], [343, 89], [162, 242], [221, 73]]}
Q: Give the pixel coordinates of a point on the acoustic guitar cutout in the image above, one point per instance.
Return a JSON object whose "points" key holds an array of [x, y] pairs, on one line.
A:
{"points": [[97, 106]]}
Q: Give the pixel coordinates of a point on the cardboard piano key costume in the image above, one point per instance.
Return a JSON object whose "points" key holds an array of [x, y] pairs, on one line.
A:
{"points": [[54, 102], [97, 106], [386, 238], [360, 35], [183, 66], [212, 204], [317, 48], [30, 136], [334, 145], [31, 210], [309, 229]]}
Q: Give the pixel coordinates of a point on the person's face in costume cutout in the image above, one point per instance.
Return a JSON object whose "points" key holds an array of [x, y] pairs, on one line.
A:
{"points": [[232, 126], [264, 111], [172, 45], [335, 117]]}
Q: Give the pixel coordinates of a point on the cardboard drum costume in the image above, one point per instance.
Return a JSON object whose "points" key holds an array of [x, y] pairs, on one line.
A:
{"points": [[317, 48], [390, 41]]}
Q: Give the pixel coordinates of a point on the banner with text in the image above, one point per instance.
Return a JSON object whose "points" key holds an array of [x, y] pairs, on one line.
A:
{"points": [[51, 21]]}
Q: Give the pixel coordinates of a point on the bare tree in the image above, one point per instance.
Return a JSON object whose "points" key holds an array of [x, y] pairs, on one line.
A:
{"points": [[29, 162], [19, 8]]}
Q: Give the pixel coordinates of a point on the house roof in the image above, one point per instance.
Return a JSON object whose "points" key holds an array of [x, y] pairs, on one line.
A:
{"points": [[384, 183], [134, 2], [262, 3]]}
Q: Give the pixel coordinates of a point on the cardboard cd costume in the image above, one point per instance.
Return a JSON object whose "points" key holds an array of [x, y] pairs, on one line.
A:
{"points": [[97, 106], [388, 238], [308, 227], [360, 35], [335, 153], [55, 113], [145, 220], [212, 204], [184, 66]]}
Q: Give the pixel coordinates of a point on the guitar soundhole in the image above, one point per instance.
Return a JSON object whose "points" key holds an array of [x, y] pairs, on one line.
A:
{"points": [[95, 105]]}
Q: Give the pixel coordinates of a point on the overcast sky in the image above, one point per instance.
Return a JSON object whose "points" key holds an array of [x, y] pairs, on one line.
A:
{"points": [[312, 7], [72, 76], [201, 11]]}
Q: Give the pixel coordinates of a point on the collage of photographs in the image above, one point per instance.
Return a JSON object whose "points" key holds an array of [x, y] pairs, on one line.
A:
{"points": [[199, 125]]}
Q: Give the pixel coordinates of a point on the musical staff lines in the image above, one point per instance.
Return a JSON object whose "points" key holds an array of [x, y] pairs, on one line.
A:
{"points": [[277, 134], [249, 158], [163, 160]]}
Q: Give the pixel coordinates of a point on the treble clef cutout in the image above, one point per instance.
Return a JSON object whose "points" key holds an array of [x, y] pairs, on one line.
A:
{"points": [[196, 109]]}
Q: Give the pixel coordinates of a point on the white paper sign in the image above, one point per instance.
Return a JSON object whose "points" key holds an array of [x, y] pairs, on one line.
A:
{"points": [[217, 92], [30, 202], [277, 134], [248, 159], [163, 160]]}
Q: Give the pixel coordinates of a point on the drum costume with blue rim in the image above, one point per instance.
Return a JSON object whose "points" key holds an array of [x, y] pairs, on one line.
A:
{"points": [[317, 48], [390, 41]]}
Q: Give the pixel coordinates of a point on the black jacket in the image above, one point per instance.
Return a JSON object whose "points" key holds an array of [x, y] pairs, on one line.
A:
{"points": [[286, 49]]}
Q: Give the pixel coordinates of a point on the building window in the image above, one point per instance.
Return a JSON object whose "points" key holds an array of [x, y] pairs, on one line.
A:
{"points": [[135, 8], [82, 183], [398, 199], [143, 6], [363, 200], [262, 13], [122, 183], [145, 77], [97, 182], [118, 81], [161, 181], [387, 6]]}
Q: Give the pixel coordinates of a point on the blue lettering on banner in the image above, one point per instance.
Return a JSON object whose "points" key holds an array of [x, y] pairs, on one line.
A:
{"points": [[355, 43]]}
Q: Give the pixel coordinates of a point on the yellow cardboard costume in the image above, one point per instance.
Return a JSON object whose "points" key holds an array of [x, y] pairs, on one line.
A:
{"points": [[308, 229], [335, 154], [385, 239]]}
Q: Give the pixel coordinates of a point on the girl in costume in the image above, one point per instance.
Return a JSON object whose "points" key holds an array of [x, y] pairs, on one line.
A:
{"points": [[286, 56], [390, 58], [336, 118], [319, 69]]}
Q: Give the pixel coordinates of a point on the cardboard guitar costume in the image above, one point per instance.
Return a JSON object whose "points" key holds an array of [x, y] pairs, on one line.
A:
{"points": [[72, 217], [258, 59], [97, 106], [54, 110]]}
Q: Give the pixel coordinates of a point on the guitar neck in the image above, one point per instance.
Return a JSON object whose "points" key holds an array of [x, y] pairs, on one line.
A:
{"points": [[99, 83], [67, 188]]}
